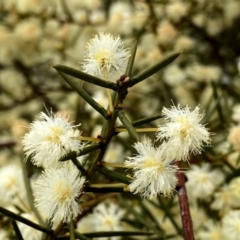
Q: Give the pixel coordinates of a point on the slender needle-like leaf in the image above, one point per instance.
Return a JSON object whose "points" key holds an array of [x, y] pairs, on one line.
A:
{"points": [[30, 193], [131, 59], [114, 175], [85, 150], [146, 120], [150, 71], [24, 220], [219, 107], [85, 77], [17, 231], [77, 87], [126, 123]]}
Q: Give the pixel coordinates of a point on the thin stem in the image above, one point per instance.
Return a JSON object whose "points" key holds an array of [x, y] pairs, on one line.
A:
{"points": [[89, 139], [137, 129], [107, 185], [72, 234], [131, 130], [184, 206], [30, 193], [21, 204], [16, 230], [105, 73], [117, 165], [25, 221]]}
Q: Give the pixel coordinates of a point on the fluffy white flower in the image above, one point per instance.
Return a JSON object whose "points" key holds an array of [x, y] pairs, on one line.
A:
{"points": [[153, 173], [50, 138], [231, 225], [56, 191], [106, 57], [202, 180], [182, 132]]}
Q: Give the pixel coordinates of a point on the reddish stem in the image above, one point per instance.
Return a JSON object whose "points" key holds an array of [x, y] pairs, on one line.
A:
{"points": [[184, 206]]}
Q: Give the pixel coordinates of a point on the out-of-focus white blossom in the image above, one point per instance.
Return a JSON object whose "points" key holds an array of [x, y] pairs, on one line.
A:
{"points": [[153, 173], [120, 14], [182, 132], [203, 73], [106, 57], [29, 30], [176, 10], [4, 234], [166, 33], [234, 137], [236, 110], [114, 153], [50, 138], [199, 19], [174, 75], [31, 6], [231, 11], [231, 225], [210, 231], [11, 185], [202, 180], [107, 217], [223, 200], [234, 189], [184, 43], [56, 193]]}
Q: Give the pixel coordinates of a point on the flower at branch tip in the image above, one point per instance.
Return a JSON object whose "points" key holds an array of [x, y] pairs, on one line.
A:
{"points": [[106, 57], [231, 225], [153, 173], [182, 132], [50, 138], [56, 192]]}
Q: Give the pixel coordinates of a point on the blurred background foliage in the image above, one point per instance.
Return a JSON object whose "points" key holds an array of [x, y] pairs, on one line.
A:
{"points": [[36, 33]]}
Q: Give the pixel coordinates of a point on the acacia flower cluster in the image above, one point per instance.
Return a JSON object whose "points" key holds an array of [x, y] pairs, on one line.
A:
{"points": [[50, 138], [153, 167], [182, 132], [106, 57], [56, 191], [153, 173]]}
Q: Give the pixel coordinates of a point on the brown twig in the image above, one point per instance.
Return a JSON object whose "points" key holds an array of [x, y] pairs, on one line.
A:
{"points": [[184, 206], [7, 144]]}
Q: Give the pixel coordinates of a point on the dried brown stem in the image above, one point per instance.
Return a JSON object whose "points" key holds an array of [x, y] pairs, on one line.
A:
{"points": [[184, 206]]}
